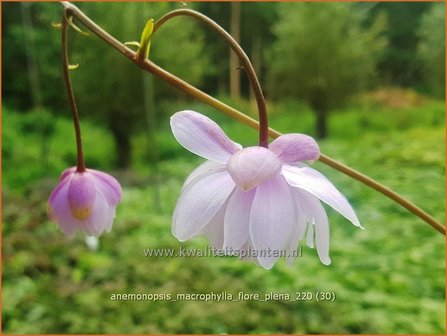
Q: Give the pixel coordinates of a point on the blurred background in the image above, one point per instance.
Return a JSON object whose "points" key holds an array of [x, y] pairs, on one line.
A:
{"points": [[366, 79]]}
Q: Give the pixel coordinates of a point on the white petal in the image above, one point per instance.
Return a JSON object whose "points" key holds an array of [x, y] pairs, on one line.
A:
{"points": [[271, 220], [237, 218], [208, 167], [293, 248], [318, 223], [310, 237], [214, 230], [199, 202], [202, 136], [315, 183], [246, 252], [322, 235], [298, 232], [303, 211], [108, 185], [101, 218]]}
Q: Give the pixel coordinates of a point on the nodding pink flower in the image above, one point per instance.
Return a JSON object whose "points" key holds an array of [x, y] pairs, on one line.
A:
{"points": [[259, 200], [84, 201]]}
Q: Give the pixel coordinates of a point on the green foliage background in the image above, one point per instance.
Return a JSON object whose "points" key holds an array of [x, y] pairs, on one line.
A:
{"points": [[389, 278], [332, 61]]}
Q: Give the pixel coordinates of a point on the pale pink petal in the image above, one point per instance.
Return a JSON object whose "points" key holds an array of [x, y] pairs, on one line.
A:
{"points": [[247, 252], [310, 237], [298, 232], [214, 230], [291, 148], [208, 167], [59, 209], [301, 214], [293, 248], [237, 218], [322, 234], [101, 218], [63, 183], [67, 172], [304, 215], [199, 202], [315, 183], [253, 165], [202, 136], [272, 219], [108, 185], [81, 195], [112, 215], [318, 222]]}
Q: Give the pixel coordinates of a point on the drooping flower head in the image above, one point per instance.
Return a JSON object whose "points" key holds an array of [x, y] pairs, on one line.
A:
{"points": [[254, 199], [84, 201]]}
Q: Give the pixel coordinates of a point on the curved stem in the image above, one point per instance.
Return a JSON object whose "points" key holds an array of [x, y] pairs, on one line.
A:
{"points": [[384, 190], [74, 110], [248, 67], [230, 111]]}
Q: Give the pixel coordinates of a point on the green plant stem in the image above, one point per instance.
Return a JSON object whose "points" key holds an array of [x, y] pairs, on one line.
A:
{"points": [[246, 64], [191, 90], [71, 98]]}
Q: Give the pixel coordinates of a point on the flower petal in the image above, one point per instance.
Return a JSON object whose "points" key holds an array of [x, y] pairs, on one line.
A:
{"points": [[107, 185], [199, 202], [62, 184], [101, 218], [318, 222], [81, 195], [67, 172], [310, 236], [252, 166], [315, 183], [202, 136], [59, 209], [214, 230], [298, 232], [322, 234], [208, 167], [247, 252], [237, 218], [293, 248], [271, 220], [291, 148]]}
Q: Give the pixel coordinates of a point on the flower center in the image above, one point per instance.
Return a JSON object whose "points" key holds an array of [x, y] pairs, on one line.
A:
{"points": [[81, 213], [252, 165]]}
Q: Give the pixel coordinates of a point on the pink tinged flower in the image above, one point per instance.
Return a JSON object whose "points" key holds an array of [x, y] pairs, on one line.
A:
{"points": [[254, 200], [84, 201]]}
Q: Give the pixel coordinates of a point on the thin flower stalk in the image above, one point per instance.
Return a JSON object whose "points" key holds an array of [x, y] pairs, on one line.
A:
{"points": [[71, 98], [246, 64]]}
